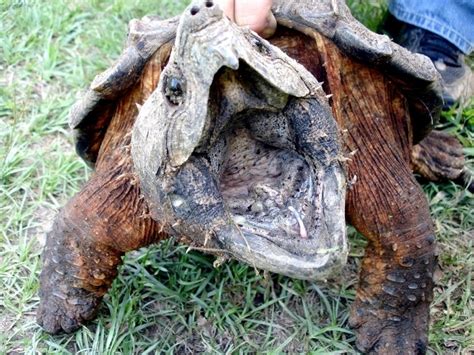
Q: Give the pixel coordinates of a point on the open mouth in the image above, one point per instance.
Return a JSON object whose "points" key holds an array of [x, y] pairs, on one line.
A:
{"points": [[275, 200], [261, 186], [268, 191], [241, 159], [287, 208]]}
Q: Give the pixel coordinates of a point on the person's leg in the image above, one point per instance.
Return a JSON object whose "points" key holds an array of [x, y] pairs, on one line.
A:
{"points": [[442, 30], [450, 19]]}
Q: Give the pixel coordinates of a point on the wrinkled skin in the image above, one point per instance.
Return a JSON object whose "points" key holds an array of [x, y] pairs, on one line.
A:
{"points": [[187, 174], [205, 146]]}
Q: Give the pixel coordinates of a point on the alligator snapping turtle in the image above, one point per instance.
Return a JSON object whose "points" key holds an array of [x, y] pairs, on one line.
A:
{"points": [[238, 150]]}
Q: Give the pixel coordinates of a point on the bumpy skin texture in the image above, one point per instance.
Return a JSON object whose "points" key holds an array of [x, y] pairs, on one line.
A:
{"points": [[440, 157], [109, 216], [180, 147], [390, 313]]}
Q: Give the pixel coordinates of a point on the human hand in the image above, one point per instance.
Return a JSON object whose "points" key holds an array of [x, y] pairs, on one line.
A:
{"points": [[256, 14]]}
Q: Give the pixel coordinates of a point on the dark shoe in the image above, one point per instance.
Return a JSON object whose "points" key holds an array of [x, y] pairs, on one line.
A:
{"points": [[457, 77]]}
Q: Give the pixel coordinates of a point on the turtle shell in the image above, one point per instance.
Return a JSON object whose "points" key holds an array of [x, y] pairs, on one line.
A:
{"points": [[414, 74], [91, 115]]}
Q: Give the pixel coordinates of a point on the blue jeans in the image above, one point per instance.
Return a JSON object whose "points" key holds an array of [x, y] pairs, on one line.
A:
{"points": [[451, 19]]}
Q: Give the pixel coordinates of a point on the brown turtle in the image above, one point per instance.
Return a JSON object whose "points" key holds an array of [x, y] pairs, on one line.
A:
{"points": [[204, 131]]}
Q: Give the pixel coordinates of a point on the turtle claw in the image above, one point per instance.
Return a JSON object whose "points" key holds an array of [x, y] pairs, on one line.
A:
{"points": [[60, 314], [381, 332], [440, 157]]}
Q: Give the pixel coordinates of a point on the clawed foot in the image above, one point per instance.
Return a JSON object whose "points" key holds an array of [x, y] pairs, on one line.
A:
{"points": [[381, 330], [440, 157], [75, 276], [58, 312]]}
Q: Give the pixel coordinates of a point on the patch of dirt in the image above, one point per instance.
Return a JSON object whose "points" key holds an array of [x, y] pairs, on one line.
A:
{"points": [[205, 338], [6, 323], [22, 330]]}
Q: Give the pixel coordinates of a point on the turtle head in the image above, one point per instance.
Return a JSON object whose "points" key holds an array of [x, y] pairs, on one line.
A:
{"points": [[226, 149]]}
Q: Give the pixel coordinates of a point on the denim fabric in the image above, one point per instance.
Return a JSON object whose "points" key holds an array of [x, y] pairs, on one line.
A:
{"points": [[450, 19]]}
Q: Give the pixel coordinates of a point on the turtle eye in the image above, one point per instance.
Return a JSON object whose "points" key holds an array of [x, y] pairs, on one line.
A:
{"points": [[174, 85], [174, 90], [262, 48]]}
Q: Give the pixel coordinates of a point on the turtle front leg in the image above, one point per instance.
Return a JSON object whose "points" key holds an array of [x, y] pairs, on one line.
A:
{"points": [[385, 203], [83, 250], [391, 310]]}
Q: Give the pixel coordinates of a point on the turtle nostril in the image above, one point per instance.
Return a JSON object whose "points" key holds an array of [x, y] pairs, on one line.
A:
{"points": [[173, 90], [194, 10], [209, 4]]}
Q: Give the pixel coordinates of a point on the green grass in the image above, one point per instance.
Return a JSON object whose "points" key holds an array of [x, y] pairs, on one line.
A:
{"points": [[166, 299]]}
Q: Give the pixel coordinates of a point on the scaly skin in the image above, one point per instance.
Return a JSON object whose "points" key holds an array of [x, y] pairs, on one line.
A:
{"points": [[76, 274], [440, 157], [107, 218], [386, 205], [83, 250], [390, 313]]}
